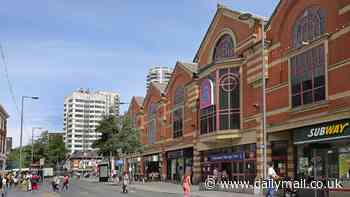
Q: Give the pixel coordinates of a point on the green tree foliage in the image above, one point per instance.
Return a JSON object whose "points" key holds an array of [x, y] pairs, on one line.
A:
{"points": [[49, 147], [118, 136]]}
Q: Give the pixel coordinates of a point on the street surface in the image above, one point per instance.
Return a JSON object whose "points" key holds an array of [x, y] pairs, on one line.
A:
{"points": [[94, 189]]}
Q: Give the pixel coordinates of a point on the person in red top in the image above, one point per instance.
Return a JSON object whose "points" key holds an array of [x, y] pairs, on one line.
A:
{"points": [[65, 183], [186, 182]]}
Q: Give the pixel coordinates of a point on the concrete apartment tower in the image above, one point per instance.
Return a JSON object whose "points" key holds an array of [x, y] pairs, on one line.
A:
{"points": [[159, 74], [82, 112]]}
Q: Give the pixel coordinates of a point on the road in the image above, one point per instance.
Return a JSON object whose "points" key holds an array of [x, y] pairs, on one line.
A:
{"points": [[89, 189]]}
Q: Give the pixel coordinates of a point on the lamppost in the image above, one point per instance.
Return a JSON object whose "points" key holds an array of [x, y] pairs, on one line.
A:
{"points": [[21, 137], [33, 129], [244, 17]]}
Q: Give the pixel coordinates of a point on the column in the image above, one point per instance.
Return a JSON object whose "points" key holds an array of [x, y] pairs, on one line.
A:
{"points": [[164, 166], [290, 161]]}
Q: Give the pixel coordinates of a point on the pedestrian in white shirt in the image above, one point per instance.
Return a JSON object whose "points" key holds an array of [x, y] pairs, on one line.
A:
{"points": [[272, 176]]}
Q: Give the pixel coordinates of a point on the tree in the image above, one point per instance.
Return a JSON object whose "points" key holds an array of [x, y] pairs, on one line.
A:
{"points": [[118, 136], [49, 147]]}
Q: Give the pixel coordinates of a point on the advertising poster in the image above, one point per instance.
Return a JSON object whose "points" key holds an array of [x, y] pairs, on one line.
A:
{"points": [[344, 165]]}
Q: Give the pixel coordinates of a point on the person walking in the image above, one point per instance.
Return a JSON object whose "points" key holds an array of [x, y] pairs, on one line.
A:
{"points": [[4, 186], [65, 183], [272, 177], [186, 182], [125, 182]]}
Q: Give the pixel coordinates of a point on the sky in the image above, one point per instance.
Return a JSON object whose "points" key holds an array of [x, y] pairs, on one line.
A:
{"points": [[53, 47]]}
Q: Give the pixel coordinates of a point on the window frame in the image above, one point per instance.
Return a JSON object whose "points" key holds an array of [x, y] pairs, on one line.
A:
{"points": [[321, 57], [230, 110], [178, 105]]}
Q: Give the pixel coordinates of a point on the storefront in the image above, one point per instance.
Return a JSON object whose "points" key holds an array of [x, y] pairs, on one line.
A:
{"points": [[152, 167], [323, 151], [234, 163], [179, 162], [134, 167]]}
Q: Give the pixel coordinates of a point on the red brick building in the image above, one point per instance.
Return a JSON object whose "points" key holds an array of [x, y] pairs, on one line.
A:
{"points": [[308, 97]]}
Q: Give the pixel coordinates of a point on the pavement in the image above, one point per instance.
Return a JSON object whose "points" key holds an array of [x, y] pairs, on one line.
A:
{"points": [[177, 189], [169, 188], [91, 188]]}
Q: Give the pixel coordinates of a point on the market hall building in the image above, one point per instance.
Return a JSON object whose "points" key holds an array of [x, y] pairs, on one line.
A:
{"points": [[308, 97]]}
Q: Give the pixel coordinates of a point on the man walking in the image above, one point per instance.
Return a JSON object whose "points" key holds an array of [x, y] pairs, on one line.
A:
{"points": [[272, 177]]}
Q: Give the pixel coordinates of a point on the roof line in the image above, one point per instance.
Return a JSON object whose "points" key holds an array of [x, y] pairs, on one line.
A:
{"points": [[2, 109], [273, 14]]}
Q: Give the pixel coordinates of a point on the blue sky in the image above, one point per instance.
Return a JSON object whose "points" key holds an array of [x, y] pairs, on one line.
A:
{"points": [[56, 46]]}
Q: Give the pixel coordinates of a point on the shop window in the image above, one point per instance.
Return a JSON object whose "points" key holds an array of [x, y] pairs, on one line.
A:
{"points": [[280, 157], [309, 26], [229, 101], [308, 77], [224, 48], [178, 112]]}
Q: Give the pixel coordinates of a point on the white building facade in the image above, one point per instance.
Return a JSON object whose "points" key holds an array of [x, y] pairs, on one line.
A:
{"points": [[82, 112], [159, 74]]}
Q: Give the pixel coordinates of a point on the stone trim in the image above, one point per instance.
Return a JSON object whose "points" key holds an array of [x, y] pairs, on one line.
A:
{"points": [[344, 10], [340, 33], [277, 87], [339, 64], [339, 95]]}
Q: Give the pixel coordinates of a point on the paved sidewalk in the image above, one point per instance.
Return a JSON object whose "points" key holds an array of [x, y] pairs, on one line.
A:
{"points": [[177, 189]]}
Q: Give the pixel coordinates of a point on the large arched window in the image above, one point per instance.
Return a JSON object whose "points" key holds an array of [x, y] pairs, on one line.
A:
{"points": [[229, 98], [224, 48], [178, 111], [308, 67], [152, 114], [310, 25]]}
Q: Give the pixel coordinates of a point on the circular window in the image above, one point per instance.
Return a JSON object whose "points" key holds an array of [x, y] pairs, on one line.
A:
{"points": [[229, 82]]}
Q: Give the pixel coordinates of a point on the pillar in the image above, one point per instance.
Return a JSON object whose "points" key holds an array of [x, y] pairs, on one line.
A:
{"points": [[164, 166], [197, 168]]}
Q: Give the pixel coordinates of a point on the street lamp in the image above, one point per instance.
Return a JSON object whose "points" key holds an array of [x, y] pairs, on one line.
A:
{"points": [[21, 137], [244, 17], [33, 129]]}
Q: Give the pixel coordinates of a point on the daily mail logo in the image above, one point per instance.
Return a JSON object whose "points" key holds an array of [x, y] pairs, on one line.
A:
{"points": [[330, 130]]}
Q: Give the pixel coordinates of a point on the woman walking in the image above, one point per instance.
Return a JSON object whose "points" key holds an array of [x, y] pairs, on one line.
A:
{"points": [[186, 182]]}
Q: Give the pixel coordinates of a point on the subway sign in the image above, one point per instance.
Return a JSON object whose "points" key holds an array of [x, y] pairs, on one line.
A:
{"points": [[330, 130]]}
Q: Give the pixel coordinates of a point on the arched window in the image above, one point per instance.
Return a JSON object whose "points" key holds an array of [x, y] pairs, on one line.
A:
{"points": [[207, 107], [308, 67], [309, 26], [179, 95], [178, 111], [224, 48], [229, 98]]}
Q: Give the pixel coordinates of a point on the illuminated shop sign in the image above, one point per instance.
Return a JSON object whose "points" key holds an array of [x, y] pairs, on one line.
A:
{"points": [[331, 130]]}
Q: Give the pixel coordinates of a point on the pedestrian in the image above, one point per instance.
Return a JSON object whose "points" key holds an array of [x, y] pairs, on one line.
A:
{"points": [[125, 182], [55, 184], [272, 177], [186, 182], [4, 186], [65, 183]]}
